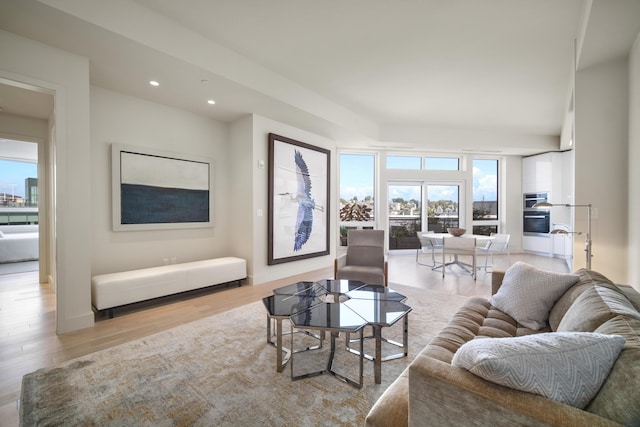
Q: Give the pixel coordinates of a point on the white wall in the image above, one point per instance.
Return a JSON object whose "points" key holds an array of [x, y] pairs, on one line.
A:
{"points": [[634, 161], [601, 174], [244, 174], [67, 76], [117, 118]]}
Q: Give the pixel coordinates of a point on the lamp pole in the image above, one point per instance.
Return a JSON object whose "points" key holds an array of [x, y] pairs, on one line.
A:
{"points": [[587, 249], [588, 244]]}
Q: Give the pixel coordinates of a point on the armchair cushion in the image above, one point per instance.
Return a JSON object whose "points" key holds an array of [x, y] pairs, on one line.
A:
{"points": [[566, 367]]}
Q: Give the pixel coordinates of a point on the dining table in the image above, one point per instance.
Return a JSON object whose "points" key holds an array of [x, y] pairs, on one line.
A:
{"points": [[480, 239]]}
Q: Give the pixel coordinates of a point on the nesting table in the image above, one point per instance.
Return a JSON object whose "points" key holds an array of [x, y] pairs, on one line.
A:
{"points": [[334, 307]]}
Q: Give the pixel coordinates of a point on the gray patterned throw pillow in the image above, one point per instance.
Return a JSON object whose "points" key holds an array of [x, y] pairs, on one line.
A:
{"points": [[568, 367], [528, 293]]}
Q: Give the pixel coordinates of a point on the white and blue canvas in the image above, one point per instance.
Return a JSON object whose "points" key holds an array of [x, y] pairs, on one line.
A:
{"points": [[163, 190]]}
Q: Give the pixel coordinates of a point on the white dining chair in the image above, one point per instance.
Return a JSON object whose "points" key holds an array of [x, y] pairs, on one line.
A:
{"points": [[499, 244], [428, 244]]}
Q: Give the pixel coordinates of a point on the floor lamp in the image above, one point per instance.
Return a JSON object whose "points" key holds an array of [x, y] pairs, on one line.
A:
{"points": [[543, 205]]}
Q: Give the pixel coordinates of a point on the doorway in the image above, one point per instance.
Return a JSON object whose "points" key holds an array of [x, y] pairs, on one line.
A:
{"points": [[19, 212]]}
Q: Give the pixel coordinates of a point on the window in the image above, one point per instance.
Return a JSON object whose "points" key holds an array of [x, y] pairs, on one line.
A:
{"points": [[485, 196], [442, 163], [403, 162], [405, 215], [357, 189], [443, 209]]}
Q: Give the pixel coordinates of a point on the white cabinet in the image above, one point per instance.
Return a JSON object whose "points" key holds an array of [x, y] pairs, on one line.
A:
{"points": [[550, 173], [538, 244], [537, 173]]}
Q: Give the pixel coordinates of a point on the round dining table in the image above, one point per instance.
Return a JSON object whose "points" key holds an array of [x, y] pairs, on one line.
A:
{"points": [[480, 239]]}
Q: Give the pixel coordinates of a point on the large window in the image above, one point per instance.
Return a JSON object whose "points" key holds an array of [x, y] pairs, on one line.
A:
{"points": [[357, 189], [405, 215], [485, 196], [19, 188], [442, 163], [404, 162], [443, 208]]}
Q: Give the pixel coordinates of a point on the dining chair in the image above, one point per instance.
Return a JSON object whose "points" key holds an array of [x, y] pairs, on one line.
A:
{"points": [[498, 244], [428, 244], [457, 246]]}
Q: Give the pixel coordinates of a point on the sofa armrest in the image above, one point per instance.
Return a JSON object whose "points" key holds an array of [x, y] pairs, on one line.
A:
{"points": [[444, 395], [339, 262], [496, 280]]}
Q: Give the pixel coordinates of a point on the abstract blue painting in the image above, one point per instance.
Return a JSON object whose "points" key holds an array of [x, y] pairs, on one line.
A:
{"points": [[160, 190]]}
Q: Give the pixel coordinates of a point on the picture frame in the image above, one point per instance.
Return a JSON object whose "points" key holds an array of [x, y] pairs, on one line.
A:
{"points": [[299, 202], [159, 190]]}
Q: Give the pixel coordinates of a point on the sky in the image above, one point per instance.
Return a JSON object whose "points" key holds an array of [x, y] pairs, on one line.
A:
{"points": [[357, 178], [13, 174]]}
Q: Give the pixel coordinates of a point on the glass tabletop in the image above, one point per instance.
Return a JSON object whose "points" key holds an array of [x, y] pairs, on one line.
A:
{"points": [[344, 305], [377, 312], [286, 305], [302, 288], [331, 316], [377, 292], [340, 286]]}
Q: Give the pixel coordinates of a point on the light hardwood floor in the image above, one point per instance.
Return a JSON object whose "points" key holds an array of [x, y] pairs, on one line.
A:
{"points": [[27, 315]]}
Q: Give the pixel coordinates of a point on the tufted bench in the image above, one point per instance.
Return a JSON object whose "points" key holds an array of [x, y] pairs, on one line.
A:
{"points": [[117, 289]]}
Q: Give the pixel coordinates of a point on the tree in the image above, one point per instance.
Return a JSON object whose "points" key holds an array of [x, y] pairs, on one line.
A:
{"points": [[354, 211]]}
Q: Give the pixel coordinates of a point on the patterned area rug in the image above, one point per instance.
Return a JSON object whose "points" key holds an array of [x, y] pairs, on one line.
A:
{"points": [[218, 371]]}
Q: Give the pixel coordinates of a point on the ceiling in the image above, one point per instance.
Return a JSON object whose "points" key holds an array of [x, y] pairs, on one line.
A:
{"points": [[372, 72]]}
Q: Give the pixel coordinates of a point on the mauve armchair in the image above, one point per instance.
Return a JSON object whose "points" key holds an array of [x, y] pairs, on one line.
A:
{"points": [[365, 259]]}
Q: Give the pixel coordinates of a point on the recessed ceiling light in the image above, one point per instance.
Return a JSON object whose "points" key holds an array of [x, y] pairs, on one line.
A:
{"points": [[211, 102], [154, 83]]}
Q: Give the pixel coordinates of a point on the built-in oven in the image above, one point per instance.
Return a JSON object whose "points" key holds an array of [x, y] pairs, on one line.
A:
{"points": [[536, 222], [531, 199]]}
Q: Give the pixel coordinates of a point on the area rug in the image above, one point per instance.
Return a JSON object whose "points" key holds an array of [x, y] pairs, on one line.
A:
{"points": [[217, 371]]}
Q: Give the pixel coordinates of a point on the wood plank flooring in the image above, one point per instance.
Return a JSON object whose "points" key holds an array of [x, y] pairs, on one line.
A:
{"points": [[27, 315]]}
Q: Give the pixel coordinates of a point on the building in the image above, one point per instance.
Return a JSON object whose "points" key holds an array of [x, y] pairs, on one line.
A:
{"points": [[31, 192], [601, 117]]}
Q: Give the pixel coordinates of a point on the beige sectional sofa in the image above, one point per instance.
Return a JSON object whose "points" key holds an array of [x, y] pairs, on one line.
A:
{"points": [[434, 391]]}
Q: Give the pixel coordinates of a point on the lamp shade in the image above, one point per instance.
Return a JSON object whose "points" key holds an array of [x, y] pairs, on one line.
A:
{"points": [[542, 205]]}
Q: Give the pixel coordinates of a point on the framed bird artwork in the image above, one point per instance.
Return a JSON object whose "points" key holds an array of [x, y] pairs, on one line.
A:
{"points": [[298, 200]]}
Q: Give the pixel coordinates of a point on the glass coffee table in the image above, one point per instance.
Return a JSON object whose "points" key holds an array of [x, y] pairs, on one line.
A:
{"points": [[336, 306]]}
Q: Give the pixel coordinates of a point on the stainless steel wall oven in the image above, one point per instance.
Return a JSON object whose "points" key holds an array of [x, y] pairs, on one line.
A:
{"points": [[535, 221], [531, 199]]}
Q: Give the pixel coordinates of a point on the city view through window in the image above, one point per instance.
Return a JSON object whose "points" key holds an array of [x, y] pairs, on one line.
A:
{"points": [[405, 201], [18, 192]]}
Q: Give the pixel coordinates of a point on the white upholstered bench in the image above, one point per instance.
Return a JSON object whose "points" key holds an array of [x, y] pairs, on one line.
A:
{"points": [[117, 289]]}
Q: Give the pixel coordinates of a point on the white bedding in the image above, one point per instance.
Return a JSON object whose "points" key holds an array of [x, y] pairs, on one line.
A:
{"points": [[16, 247]]}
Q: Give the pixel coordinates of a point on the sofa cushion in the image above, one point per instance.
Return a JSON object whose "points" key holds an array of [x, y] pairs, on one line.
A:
{"points": [[593, 307], [588, 278], [619, 397], [565, 367], [528, 293]]}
